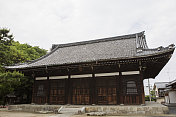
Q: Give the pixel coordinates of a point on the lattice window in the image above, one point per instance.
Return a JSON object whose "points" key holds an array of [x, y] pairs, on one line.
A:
{"points": [[161, 92], [131, 87], [40, 91]]}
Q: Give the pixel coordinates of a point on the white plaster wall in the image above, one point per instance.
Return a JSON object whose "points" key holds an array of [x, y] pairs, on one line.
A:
{"points": [[172, 96], [159, 100], [167, 99], [156, 92]]}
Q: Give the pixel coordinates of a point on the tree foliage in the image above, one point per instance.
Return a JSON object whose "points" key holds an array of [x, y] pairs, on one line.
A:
{"points": [[24, 52], [9, 81], [5, 43], [12, 52]]}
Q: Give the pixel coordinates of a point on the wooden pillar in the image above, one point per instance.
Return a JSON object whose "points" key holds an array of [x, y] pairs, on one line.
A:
{"points": [[117, 86], [142, 86], [66, 91], [33, 95], [48, 89], [69, 90], [120, 88], [93, 93]]}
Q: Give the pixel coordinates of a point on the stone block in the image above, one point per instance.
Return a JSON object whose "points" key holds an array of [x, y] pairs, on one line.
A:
{"points": [[105, 109], [140, 109], [140, 112], [148, 113], [132, 108]]}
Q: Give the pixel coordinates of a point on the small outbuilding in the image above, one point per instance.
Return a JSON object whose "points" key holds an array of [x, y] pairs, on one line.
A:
{"points": [[159, 88], [170, 93]]}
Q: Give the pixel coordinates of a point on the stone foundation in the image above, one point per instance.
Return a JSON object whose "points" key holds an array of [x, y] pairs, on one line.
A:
{"points": [[33, 108], [128, 110], [148, 109]]}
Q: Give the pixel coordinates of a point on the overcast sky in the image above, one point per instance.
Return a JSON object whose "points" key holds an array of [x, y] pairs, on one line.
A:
{"points": [[46, 22]]}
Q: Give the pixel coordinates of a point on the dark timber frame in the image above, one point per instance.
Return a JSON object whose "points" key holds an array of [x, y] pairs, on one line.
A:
{"points": [[107, 71]]}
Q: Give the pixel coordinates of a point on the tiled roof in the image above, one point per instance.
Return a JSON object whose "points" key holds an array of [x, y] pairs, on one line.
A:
{"points": [[120, 47], [161, 85], [171, 83]]}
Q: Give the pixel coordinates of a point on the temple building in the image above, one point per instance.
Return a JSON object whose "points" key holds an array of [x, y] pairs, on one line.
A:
{"points": [[107, 71]]}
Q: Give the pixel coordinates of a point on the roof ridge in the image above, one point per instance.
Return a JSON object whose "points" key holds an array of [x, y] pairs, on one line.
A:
{"points": [[171, 46], [100, 40], [87, 42]]}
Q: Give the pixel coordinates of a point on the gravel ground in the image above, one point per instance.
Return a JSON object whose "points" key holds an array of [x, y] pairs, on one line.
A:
{"points": [[22, 114], [5, 113], [25, 114]]}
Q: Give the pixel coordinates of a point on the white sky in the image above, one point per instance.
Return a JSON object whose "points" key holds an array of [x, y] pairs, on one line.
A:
{"points": [[46, 22]]}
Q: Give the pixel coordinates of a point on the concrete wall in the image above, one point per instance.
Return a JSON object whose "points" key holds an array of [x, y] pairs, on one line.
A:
{"points": [[160, 99], [167, 99]]}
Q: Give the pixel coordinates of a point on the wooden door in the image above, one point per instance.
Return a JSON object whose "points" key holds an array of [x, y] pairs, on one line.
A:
{"points": [[40, 92], [106, 90], [57, 91], [81, 91]]}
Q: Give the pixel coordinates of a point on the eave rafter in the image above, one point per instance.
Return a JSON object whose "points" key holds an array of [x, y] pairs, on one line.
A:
{"points": [[159, 59]]}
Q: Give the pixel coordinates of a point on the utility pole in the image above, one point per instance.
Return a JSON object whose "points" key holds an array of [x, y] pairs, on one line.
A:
{"points": [[149, 90]]}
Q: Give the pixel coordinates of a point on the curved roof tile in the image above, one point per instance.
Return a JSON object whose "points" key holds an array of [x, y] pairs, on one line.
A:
{"points": [[127, 46]]}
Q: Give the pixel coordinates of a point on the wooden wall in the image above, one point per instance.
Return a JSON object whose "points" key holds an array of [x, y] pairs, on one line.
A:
{"points": [[40, 92], [109, 90], [131, 90]]}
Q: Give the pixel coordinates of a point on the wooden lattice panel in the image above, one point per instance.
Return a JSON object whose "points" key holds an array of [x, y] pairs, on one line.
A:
{"points": [[57, 91], [40, 92], [106, 90], [81, 91]]}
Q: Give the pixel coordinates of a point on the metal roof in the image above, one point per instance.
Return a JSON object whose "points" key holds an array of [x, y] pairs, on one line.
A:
{"points": [[120, 47]]}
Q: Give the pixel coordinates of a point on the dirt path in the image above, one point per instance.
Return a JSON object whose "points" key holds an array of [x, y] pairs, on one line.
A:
{"points": [[6, 113], [22, 114]]}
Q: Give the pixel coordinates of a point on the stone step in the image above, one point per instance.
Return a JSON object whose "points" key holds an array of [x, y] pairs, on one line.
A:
{"points": [[74, 110]]}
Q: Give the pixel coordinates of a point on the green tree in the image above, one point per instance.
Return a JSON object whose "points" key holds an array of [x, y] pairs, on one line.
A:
{"points": [[6, 40], [24, 52], [9, 81], [12, 52]]}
